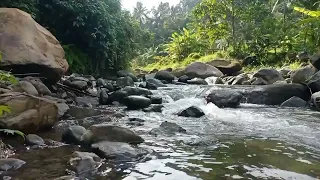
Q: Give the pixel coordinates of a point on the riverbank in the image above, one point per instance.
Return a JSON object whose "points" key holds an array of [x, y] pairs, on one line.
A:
{"points": [[165, 63]]}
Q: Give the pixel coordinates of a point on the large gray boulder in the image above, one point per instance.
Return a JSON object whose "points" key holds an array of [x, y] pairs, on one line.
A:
{"points": [[314, 82], [223, 99], [303, 74], [202, 70], [276, 94], [269, 75], [137, 102], [125, 81], [165, 75], [124, 73]]}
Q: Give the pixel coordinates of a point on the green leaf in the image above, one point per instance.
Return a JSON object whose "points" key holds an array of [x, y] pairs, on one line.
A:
{"points": [[13, 132], [4, 109], [307, 12]]}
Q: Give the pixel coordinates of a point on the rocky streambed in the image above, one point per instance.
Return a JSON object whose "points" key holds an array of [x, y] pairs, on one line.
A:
{"points": [[250, 141]]}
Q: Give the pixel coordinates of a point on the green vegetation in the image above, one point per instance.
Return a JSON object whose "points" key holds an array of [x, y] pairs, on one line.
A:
{"points": [[103, 36], [99, 37], [274, 31]]}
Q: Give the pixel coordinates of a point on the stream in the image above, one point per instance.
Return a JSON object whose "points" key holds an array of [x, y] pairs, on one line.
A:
{"points": [[250, 142]]}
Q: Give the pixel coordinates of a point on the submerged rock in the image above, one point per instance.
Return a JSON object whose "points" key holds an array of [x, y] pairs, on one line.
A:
{"points": [[294, 102], [225, 98], [154, 82], [104, 132], [167, 128], [192, 111], [84, 163], [10, 164], [118, 150], [154, 108], [197, 81], [73, 134]]}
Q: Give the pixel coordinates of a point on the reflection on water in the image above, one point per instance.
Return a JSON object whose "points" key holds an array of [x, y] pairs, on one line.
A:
{"points": [[231, 159], [250, 142]]}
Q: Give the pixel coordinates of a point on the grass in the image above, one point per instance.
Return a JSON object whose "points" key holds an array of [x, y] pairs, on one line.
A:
{"points": [[291, 66], [166, 62]]}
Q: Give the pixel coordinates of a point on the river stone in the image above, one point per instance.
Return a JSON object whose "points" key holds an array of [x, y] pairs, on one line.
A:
{"points": [[259, 81], [37, 83], [155, 82], [117, 150], [124, 73], [303, 74], [136, 102], [222, 98], [81, 85], [150, 86], [25, 86], [314, 82], [154, 108], [33, 139], [240, 79], [229, 67], [29, 114], [276, 94], [125, 81], [67, 178], [202, 70], [101, 82], [315, 60], [165, 75], [103, 97], [167, 128], [104, 132], [27, 47], [73, 134], [192, 111], [294, 102], [84, 162], [269, 75], [10, 164], [315, 100], [184, 79], [156, 100], [285, 72], [197, 81]]}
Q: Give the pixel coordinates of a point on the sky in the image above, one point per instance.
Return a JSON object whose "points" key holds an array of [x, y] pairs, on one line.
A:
{"points": [[130, 4]]}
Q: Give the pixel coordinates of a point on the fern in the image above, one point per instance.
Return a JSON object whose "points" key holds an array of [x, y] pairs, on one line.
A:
{"points": [[13, 132]]}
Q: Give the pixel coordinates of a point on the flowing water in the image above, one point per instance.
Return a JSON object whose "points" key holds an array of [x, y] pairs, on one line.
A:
{"points": [[250, 142]]}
